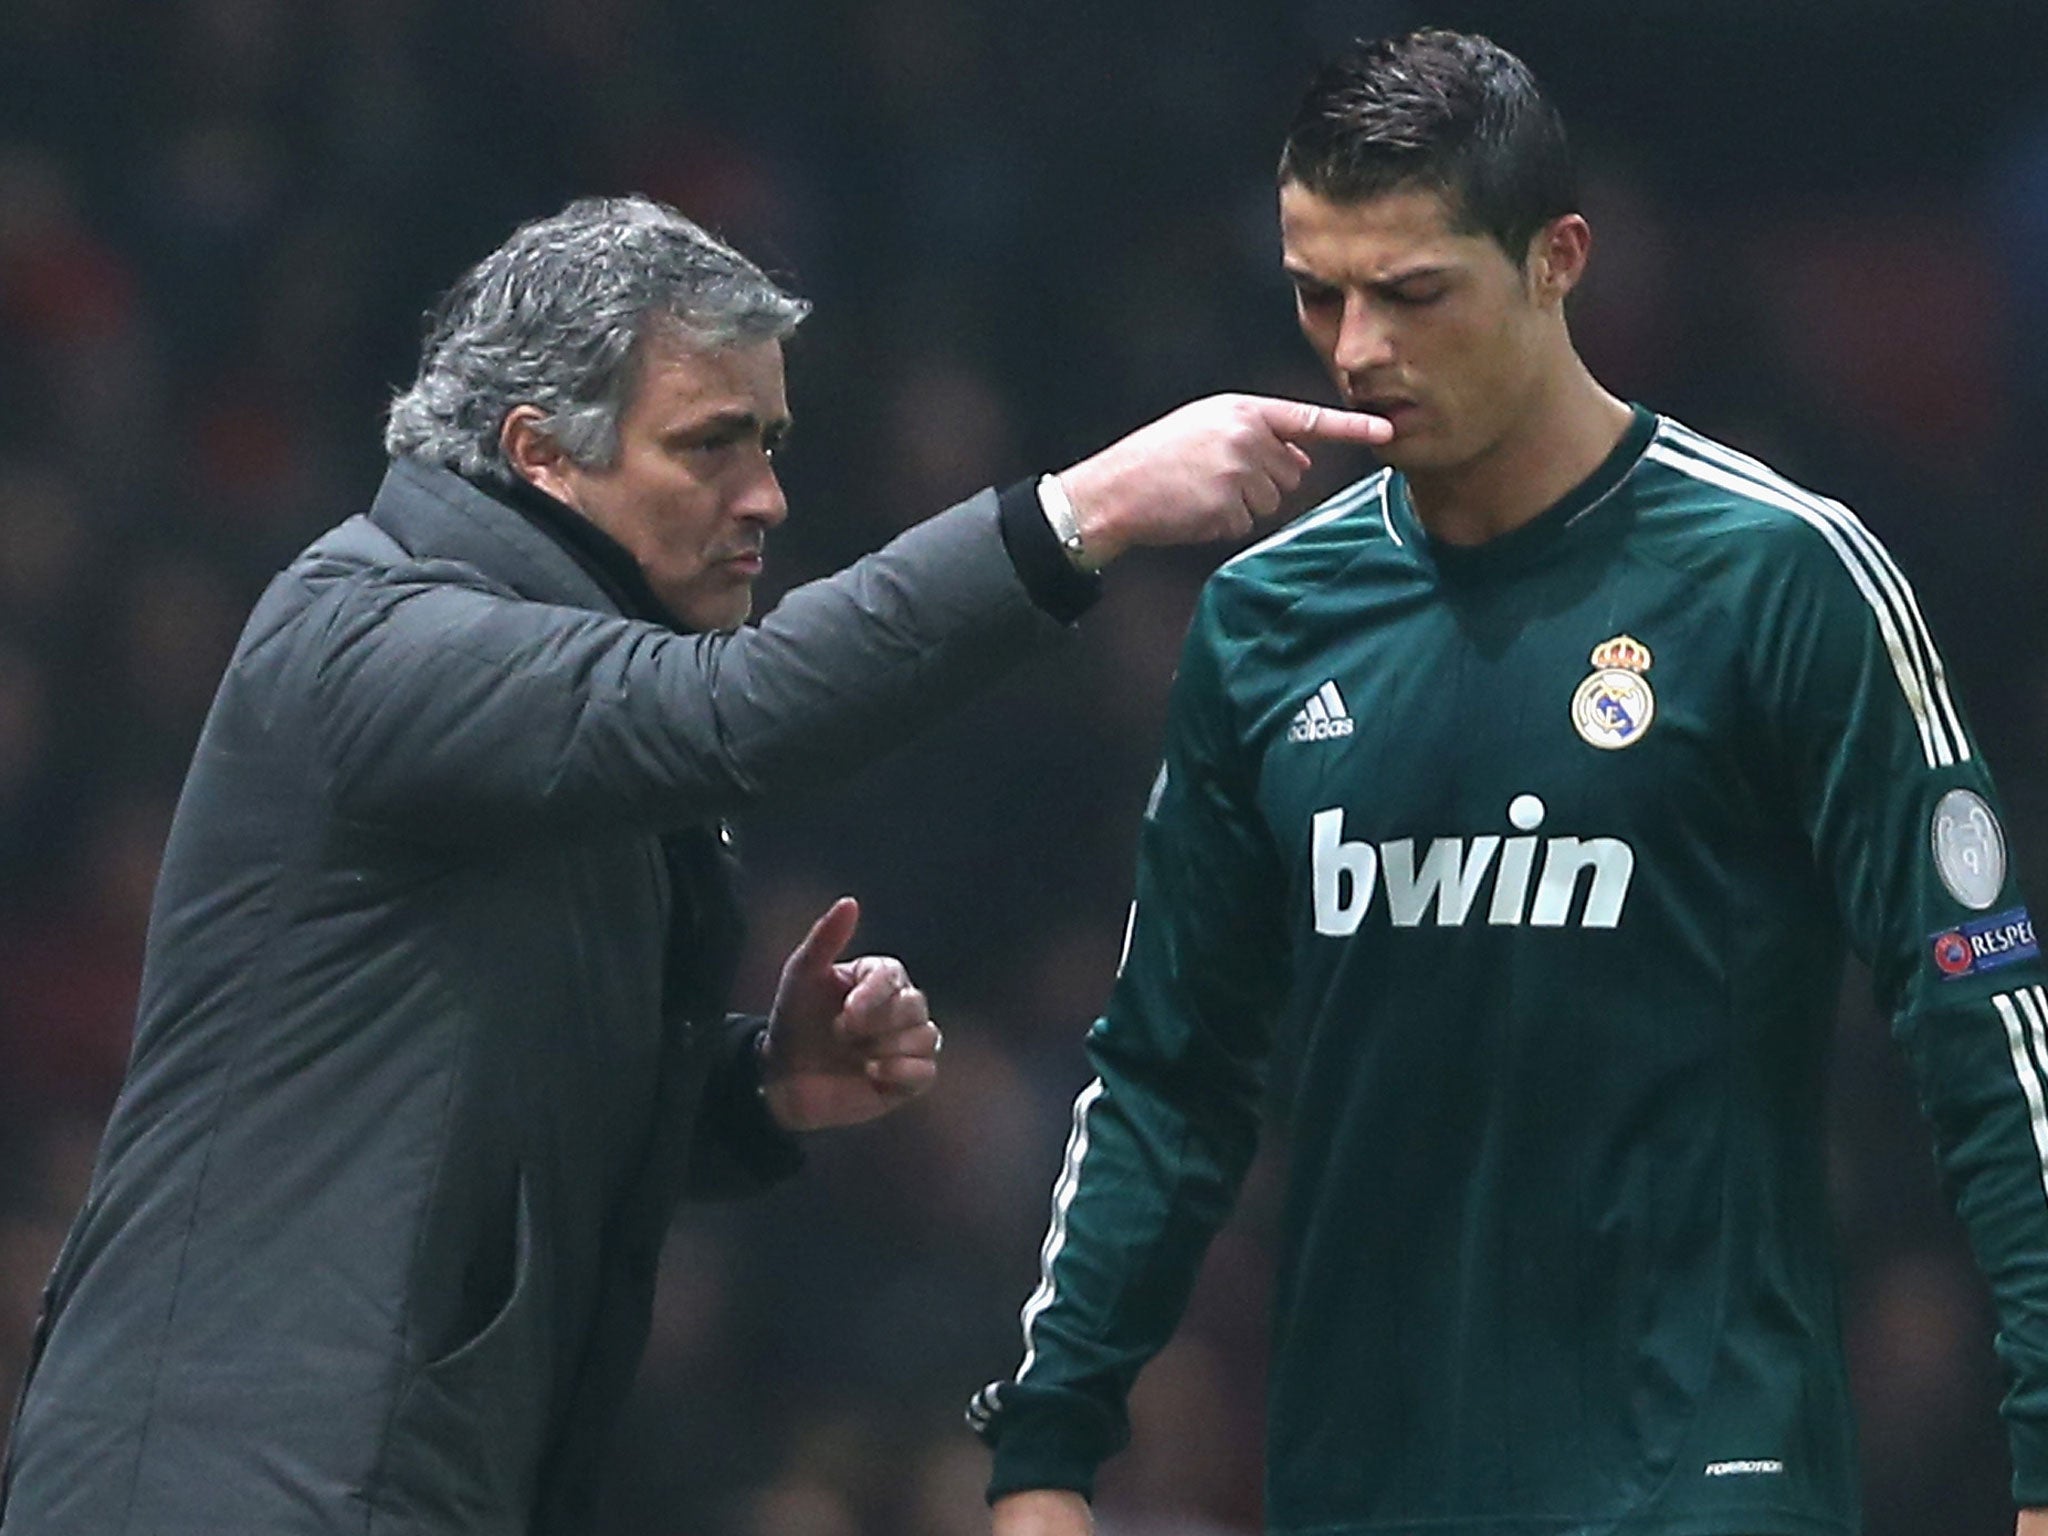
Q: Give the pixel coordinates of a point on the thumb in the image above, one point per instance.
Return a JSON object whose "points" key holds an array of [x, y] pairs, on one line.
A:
{"points": [[828, 937], [1296, 421]]}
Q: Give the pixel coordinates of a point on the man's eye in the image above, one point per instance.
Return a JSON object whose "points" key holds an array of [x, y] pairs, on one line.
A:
{"points": [[1415, 298], [1317, 298]]}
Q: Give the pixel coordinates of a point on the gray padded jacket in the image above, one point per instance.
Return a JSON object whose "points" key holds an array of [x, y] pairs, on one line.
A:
{"points": [[432, 1032]]}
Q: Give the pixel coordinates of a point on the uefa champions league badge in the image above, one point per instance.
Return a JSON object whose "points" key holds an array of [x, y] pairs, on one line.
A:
{"points": [[1612, 708], [1969, 849]]}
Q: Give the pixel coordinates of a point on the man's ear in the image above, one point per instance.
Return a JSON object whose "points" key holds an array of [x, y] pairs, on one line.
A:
{"points": [[1558, 254], [534, 454]]}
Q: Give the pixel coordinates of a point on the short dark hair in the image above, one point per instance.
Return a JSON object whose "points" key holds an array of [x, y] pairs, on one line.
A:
{"points": [[1450, 112]]}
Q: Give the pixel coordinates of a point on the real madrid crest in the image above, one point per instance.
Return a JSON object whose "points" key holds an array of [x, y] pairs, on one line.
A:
{"points": [[1612, 708]]}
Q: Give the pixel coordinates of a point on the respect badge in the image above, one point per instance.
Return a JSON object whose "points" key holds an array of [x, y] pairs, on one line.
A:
{"points": [[2005, 938]]}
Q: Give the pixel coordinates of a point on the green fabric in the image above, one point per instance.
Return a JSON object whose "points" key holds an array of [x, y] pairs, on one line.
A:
{"points": [[1556, 1253]]}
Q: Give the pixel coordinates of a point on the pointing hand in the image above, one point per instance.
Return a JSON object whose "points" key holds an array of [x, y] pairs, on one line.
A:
{"points": [[1205, 471]]}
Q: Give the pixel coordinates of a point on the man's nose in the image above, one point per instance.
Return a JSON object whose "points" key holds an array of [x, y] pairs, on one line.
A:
{"points": [[762, 500], [1364, 340]]}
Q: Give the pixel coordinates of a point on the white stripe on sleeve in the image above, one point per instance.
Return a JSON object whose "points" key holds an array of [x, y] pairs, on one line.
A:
{"points": [[1347, 500], [2025, 1062], [1934, 737], [1056, 1234], [1898, 591], [1881, 560]]}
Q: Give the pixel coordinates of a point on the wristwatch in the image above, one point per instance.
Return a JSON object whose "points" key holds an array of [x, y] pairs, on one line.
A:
{"points": [[1066, 527]]}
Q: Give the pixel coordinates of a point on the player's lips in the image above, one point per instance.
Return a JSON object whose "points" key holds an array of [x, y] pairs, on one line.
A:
{"points": [[1395, 408], [746, 562]]}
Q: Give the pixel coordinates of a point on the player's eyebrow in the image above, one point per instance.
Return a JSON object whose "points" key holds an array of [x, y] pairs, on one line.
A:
{"points": [[1392, 280]]}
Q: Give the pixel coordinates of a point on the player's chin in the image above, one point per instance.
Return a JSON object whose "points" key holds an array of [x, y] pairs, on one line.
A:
{"points": [[1418, 452]]}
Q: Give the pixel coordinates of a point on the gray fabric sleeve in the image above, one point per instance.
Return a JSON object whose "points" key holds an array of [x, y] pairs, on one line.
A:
{"points": [[448, 705]]}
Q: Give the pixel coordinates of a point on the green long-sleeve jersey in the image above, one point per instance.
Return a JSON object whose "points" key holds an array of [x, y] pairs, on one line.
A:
{"points": [[1537, 863]]}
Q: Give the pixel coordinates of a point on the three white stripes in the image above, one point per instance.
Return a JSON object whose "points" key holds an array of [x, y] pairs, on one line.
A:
{"points": [[2026, 1036], [1917, 664], [1349, 500], [1915, 661], [1056, 1234]]}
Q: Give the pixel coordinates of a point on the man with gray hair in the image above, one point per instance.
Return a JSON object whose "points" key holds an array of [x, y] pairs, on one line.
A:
{"points": [[433, 1032]]}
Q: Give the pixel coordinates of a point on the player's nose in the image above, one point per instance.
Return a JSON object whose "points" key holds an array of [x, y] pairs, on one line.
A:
{"points": [[1364, 341]]}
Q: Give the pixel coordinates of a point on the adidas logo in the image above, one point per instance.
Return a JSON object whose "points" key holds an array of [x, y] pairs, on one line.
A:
{"points": [[1323, 717]]}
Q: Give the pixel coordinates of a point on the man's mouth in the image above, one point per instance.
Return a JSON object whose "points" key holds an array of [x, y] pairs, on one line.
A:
{"points": [[1401, 410], [1393, 407]]}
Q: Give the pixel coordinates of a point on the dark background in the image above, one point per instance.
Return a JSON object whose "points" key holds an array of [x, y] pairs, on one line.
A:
{"points": [[1823, 235]]}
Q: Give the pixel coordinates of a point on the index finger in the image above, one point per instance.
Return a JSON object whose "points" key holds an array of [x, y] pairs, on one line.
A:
{"points": [[1297, 421]]}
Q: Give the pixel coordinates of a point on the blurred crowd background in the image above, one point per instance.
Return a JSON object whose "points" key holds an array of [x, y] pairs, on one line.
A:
{"points": [[1822, 234]]}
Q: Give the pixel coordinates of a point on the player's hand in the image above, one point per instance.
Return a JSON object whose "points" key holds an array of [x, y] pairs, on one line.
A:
{"points": [[848, 1039], [1205, 471], [1043, 1512], [2033, 1522]]}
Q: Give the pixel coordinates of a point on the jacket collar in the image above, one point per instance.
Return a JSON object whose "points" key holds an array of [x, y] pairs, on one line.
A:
{"points": [[537, 546]]}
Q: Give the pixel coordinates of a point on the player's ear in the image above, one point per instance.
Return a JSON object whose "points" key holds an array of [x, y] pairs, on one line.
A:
{"points": [[1557, 257]]}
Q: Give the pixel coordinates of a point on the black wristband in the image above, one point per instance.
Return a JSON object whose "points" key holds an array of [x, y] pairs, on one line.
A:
{"points": [[1034, 549], [737, 1101]]}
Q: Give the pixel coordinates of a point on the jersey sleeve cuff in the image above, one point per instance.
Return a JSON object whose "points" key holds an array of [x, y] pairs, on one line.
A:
{"points": [[1045, 1441], [2029, 1442], [1054, 584]]}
